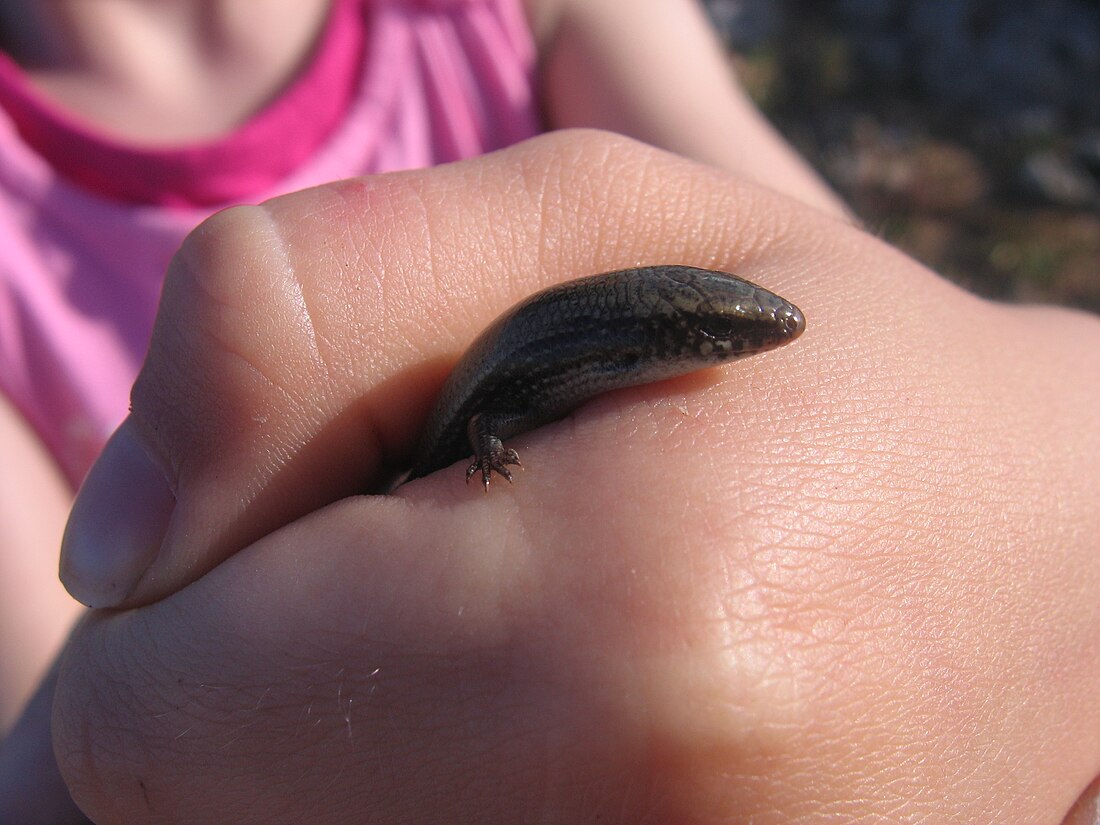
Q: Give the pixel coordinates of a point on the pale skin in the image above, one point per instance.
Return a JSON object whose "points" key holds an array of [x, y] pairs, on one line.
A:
{"points": [[867, 609]]}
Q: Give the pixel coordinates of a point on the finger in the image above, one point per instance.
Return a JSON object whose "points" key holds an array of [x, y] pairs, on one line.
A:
{"points": [[299, 344]]}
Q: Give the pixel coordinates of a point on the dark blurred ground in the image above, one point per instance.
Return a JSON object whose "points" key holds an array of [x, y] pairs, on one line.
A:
{"points": [[966, 132]]}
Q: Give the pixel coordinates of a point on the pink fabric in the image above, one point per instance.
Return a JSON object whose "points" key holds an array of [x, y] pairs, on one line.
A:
{"points": [[81, 263]]}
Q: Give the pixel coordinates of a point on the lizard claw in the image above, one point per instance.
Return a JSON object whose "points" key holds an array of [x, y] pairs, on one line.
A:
{"points": [[496, 460]]}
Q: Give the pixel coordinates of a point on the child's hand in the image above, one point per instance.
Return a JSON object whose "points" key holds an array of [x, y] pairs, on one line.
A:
{"points": [[854, 578]]}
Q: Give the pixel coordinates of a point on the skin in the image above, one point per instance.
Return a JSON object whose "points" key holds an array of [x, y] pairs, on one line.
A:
{"points": [[589, 643], [161, 71], [36, 613], [171, 71], [854, 577]]}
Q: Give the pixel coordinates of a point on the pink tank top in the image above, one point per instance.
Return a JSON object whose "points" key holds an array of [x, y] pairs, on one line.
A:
{"points": [[88, 224]]}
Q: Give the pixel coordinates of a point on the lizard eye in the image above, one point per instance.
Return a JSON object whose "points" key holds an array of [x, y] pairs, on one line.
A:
{"points": [[717, 327]]}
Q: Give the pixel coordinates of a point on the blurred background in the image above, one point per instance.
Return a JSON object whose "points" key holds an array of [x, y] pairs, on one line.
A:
{"points": [[966, 132]]}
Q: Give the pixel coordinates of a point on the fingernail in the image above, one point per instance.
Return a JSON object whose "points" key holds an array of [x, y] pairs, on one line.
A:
{"points": [[117, 523]]}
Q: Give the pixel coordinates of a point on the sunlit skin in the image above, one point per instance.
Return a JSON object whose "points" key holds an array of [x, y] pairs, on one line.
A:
{"points": [[829, 582]]}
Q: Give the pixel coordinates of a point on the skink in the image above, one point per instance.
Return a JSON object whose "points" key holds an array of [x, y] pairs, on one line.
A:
{"points": [[555, 350]]}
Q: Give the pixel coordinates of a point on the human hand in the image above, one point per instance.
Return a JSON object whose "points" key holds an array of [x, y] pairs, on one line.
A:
{"points": [[855, 577]]}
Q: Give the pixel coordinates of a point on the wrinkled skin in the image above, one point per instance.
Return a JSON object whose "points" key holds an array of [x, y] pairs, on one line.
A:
{"points": [[855, 578]]}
